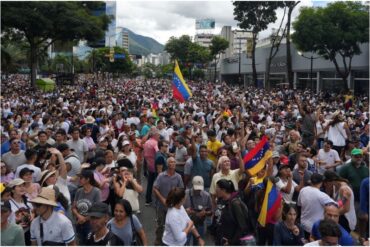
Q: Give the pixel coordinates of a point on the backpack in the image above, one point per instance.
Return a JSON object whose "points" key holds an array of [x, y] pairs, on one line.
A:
{"points": [[246, 215]]}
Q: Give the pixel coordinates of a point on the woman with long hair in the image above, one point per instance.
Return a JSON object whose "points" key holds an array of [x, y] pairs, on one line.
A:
{"points": [[229, 223], [6, 174], [178, 224], [101, 179], [125, 224], [287, 232], [126, 187], [85, 196], [21, 208], [62, 202]]}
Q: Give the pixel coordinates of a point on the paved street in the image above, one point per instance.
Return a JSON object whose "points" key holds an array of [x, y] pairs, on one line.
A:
{"points": [[147, 218]]}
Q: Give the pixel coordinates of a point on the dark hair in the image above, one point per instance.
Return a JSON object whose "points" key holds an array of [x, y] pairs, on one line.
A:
{"points": [[76, 129], [329, 142], [42, 132], [30, 153], [161, 143], [329, 228], [126, 206], [12, 139], [59, 197], [202, 146], [226, 185], [175, 196], [286, 209], [89, 174]]}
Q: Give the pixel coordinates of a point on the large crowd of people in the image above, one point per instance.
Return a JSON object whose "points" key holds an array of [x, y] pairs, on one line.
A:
{"points": [[76, 160]]}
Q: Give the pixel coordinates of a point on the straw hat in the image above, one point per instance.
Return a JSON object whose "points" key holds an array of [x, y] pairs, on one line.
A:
{"points": [[46, 196], [45, 175]]}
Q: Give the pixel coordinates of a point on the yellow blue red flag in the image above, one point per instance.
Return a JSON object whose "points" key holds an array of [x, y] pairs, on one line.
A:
{"points": [[255, 160], [271, 204], [180, 89]]}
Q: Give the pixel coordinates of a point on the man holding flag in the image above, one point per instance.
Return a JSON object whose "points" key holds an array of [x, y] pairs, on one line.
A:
{"points": [[180, 88]]}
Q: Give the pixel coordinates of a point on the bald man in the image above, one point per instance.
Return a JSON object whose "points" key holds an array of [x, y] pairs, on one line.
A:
{"points": [[331, 211]]}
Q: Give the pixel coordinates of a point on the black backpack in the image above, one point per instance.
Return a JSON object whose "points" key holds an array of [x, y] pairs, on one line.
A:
{"points": [[246, 215]]}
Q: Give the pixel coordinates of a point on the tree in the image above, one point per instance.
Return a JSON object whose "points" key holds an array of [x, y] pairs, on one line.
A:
{"points": [[275, 39], [334, 31], [255, 16], [218, 45], [43, 23], [187, 52], [99, 59], [291, 5]]}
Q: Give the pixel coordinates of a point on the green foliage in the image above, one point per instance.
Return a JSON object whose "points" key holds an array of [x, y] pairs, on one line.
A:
{"points": [[338, 29], [255, 16], [43, 23], [185, 51], [218, 45], [100, 61], [198, 74]]}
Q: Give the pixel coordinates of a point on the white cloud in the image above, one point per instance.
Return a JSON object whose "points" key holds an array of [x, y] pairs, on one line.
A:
{"points": [[162, 19]]}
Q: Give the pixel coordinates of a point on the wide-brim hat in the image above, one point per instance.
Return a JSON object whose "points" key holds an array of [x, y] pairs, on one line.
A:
{"points": [[46, 197], [45, 175]]}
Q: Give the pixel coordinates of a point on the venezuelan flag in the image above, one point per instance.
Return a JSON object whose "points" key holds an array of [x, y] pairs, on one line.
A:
{"points": [[254, 161], [154, 106], [271, 203], [180, 89]]}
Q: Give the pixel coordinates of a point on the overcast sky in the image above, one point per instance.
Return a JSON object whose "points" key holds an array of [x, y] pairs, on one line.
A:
{"points": [[162, 19]]}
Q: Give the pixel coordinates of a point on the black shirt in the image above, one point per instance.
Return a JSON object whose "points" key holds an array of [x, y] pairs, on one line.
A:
{"points": [[110, 239]]}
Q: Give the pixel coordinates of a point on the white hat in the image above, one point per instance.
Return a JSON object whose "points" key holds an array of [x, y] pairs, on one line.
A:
{"points": [[15, 182], [198, 183], [90, 120], [124, 143]]}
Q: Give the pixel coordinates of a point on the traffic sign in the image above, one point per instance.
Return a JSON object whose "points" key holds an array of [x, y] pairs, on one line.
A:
{"points": [[119, 56]]}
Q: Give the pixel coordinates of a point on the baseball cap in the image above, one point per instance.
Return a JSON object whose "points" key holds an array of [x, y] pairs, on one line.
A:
{"points": [[198, 183], [98, 209], [275, 154], [5, 205], [15, 182], [125, 143], [356, 151], [24, 171]]}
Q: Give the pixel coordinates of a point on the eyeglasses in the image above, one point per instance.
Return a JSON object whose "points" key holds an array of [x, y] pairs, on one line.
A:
{"points": [[17, 142]]}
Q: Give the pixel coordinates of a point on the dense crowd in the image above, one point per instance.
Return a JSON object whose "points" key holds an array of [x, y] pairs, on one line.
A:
{"points": [[74, 162]]}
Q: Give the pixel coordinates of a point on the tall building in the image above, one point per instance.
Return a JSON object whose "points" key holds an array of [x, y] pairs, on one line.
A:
{"points": [[110, 34], [238, 40], [203, 39], [122, 38]]}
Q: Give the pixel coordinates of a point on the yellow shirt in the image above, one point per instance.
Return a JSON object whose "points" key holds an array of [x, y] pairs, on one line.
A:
{"points": [[213, 147]]}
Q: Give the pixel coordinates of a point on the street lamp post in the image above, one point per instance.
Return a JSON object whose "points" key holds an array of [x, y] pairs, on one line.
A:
{"points": [[311, 64]]}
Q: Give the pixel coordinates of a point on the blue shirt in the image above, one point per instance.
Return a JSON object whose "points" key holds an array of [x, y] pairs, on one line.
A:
{"points": [[364, 196], [5, 147], [199, 167], [345, 239]]}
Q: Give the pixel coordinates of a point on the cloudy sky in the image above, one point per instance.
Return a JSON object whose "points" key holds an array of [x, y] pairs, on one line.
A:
{"points": [[162, 19]]}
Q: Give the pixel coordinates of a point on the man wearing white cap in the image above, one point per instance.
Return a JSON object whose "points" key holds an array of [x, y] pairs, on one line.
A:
{"points": [[49, 227], [198, 205]]}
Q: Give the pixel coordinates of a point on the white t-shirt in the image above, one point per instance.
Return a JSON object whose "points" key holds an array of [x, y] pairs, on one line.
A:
{"points": [[36, 176], [58, 228], [176, 221], [312, 202], [286, 196], [63, 188], [79, 147], [337, 134], [328, 157]]}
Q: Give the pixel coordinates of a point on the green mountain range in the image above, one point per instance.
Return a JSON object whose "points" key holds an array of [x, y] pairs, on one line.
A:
{"points": [[142, 45]]}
